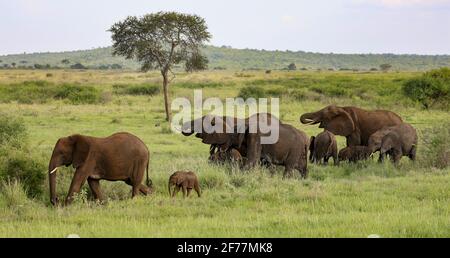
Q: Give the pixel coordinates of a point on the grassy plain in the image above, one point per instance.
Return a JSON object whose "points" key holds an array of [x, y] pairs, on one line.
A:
{"points": [[412, 200]]}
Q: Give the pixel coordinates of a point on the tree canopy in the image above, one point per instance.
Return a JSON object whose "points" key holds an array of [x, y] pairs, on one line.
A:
{"points": [[161, 41]]}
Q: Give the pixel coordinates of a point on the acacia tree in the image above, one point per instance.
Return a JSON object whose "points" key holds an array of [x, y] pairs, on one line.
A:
{"points": [[160, 41]]}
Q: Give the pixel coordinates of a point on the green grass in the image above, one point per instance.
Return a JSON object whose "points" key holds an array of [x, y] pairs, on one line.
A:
{"points": [[411, 200]]}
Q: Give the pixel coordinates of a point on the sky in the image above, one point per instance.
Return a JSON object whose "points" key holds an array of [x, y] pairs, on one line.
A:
{"points": [[326, 26]]}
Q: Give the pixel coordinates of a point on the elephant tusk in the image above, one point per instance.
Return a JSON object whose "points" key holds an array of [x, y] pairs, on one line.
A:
{"points": [[309, 121], [53, 171]]}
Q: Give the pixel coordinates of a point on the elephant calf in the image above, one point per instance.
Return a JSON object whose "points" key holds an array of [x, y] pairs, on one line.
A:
{"points": [[185, 180], [231, 154], [401, 141], [322, 147], [354, 153]]}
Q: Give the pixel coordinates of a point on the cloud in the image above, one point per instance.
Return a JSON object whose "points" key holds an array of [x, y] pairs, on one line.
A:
{"points": [[288, 19]]}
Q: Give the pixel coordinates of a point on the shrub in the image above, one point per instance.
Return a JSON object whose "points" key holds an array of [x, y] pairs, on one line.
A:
{"points": [[436, 147], [12, 131], [138, 89], [252, 92], [13, 193], [29, 172], [78, 66], [78, 94], [432, 88]]}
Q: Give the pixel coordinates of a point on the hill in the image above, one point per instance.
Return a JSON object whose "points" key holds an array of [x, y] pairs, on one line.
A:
{"points": [[236, 59]]}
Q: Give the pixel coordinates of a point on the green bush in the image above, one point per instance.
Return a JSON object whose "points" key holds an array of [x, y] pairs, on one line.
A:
{"points": [[28, 171], [136, 89], [12, 131], [252, 92], [78, 94], [431, 89], [436, 147], [13, 193], [199, 85], [29, 92]]}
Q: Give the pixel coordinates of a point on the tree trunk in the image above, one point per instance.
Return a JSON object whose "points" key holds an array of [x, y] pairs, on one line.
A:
{"points": [[166, 96]]}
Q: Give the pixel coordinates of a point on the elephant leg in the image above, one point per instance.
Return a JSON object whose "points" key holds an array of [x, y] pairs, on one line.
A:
{"points": [[254, 151], [412, 153], [176, 190], [287, 172], [145, 190], [197, 189], [77, 182], [189, 191], [135, 191], [184, 191], [94, 185], [325, 160]]}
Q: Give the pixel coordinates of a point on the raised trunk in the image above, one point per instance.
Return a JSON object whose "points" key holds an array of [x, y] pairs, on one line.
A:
{"points": [[52, 180], [308, 118], [166, 95]]}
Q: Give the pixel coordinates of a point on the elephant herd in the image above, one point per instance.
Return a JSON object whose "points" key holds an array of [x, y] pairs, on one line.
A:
{"points": [[124, 157]]}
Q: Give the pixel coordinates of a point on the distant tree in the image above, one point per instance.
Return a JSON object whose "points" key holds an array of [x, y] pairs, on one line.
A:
{"points": [[23, 62], [1, 61], [65, 61], [373, 69], [292, 67], [160, 41], [268, 71], [5, 65], [116, 66], [78, 66], [13, 65], [38, 66], [385, 67]]}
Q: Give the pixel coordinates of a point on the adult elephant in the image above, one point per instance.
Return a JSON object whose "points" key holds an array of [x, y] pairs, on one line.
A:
{"points": [[119, 157], [289, 149], [354, 123]]}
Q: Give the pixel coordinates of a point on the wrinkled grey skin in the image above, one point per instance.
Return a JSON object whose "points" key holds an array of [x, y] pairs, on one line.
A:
{"points": [[322, 147], [400, 141]]}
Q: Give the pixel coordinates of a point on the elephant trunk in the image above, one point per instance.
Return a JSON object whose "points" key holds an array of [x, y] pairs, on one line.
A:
{"points": [[52, 167], [188, 128], [308, 118], [170, 194]]}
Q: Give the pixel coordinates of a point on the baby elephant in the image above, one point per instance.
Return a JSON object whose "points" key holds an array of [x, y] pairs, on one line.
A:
{"points": [[185, 181], [220, 156], [354, 153], [401, 141], [323, 147]]}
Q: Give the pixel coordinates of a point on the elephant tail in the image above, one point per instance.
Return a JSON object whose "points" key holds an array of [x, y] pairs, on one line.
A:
{"points": [[149, 182]]}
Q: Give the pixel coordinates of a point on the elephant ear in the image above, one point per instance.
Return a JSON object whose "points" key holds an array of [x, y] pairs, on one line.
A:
{"points": [[80, 150], [180, 180], [340, 123]]}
